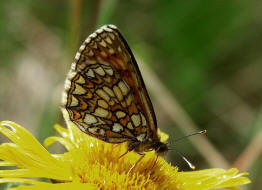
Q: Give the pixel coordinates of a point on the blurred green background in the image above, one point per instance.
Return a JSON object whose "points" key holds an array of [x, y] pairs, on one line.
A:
{"points": [[204, 55]]}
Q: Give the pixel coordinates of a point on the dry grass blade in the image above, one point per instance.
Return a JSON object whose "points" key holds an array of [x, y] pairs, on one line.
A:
{"points": [[250, 154], [75, 16], [179, 116]]}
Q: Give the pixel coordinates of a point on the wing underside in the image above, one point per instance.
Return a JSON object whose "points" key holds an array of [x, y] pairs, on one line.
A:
{"points": [[105, 95]]}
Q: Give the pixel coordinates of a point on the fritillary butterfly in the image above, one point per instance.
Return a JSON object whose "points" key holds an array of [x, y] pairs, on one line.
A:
{"points": [[105, 95]]}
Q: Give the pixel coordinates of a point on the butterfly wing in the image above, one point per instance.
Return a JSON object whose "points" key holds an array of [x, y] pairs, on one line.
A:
{"points": [[131, 74], [105, 95]]}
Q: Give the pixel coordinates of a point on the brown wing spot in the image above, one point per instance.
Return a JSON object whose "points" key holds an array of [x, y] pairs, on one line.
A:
{"points": [[124, 120], [132, 109], [75, 115], [88, 84], [141, 129], [92, 103], [112, 134], [88, 95], [83, 105], [116, 107]]}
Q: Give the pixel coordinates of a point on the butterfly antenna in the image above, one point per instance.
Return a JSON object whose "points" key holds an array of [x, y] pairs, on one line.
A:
{"points": [[184, 158], [197, 133]]}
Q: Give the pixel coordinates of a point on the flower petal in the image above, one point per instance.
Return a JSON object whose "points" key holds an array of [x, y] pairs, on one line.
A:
{"points": [[50, 140], [91, 163], [213, 179], [27, 153]]}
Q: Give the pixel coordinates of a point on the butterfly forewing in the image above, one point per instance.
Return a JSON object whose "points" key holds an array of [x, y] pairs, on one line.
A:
{"points": [[105, 95]]}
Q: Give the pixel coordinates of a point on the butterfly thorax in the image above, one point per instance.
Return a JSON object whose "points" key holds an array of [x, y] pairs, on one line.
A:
{"points": [[156, 145]]}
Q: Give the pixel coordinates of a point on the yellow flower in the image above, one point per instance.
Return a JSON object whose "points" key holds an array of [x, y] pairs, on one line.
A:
{"points": [[92, 164]]}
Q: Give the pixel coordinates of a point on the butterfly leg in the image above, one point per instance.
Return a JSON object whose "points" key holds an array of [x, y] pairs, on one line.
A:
{"points": [[142, 156], [124, 154], [129, 149]]}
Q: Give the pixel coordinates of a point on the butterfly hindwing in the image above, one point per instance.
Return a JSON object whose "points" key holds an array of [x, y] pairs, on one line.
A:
{"points": [[105, 95]]}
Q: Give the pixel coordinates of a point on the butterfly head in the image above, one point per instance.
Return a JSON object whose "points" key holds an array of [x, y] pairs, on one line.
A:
{"points": [[161, 148]]}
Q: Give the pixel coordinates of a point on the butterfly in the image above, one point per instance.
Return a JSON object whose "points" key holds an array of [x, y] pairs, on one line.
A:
{"points": [[105, 95]]}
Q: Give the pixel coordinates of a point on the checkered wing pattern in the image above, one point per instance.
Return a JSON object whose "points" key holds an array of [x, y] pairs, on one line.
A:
{"points": [[105, 95]]}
